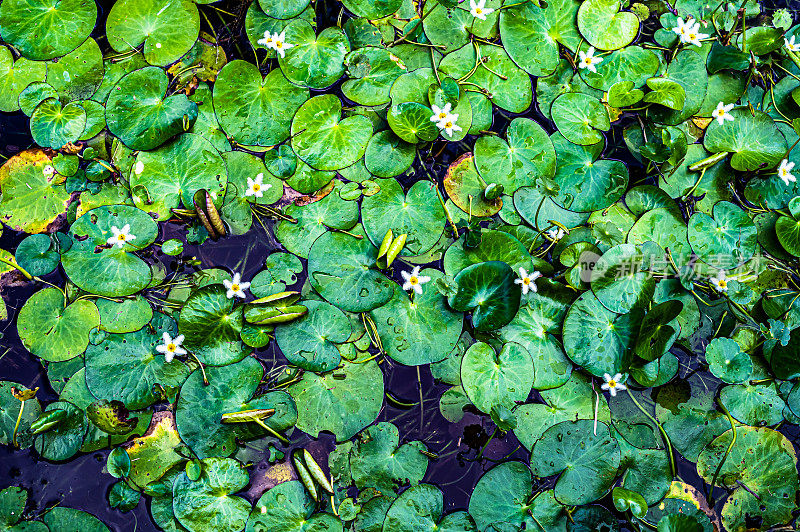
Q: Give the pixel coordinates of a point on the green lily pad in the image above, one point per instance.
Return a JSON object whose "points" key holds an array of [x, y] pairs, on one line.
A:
{"points": [[32, 198], [585, 460], [310, 341], [619, 280], [209, 503], [420, 508], [760, 469], [527, 156], [411, 121], [418, 214], [211, 323], [632, 64], [127, 367], [72, 520], [15, 76], [343, 401], [689, 71], [493, 379], [501, 496], [754, 140], [573, 400], [96, 262], [377, 460], [488, 290], [289, 508], [726, 240], [513, 93], [605, 26], [421, 331], [140, 113], [342, 269], [597, 339], [165, 29], [313, 220], [64, 440], [531, 33], [314, 61], [372, 71], [55, 332], [323, 140], [77, 75], [45, 29], [172, 174], [580, 118], [387, 155], [231, 389], [727, 361], [53, 125], [252, 110]]}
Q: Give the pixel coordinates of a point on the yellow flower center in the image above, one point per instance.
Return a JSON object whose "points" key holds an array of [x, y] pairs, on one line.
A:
{"points": [[171, 348], [723, 283], [526, 280], [448, 125], [442, 115], [692, 36], [279, 44], [612, 383], [588, 60], [256, 187], [121, 236], [478, 10], [235, 287], [413, 280]]}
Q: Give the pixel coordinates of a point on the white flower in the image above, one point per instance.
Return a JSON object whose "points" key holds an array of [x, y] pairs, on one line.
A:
{"points": [[693, 35], [139, 168], [48, 171], [158, 45], [280, 45], [120, 235], [720, 282], [440, 115], [785, 172], [613, 384], [414, 280], [790, 44], [256, 187], [235, 287], [449, 124], [680, 29], [556, 234], [722, 113], [171, 346], [267, 40], [588, 61], [527, 281], [479, 10]]}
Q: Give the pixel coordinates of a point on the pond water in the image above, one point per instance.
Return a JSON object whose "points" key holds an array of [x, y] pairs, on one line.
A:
{"points": [[81, 482]]}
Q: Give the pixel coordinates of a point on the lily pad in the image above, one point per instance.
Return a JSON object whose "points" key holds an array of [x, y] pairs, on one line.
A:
{"points": [[32, 199], [44, 29], [585, 460], [418, 214], [209, 503], [252, 110], [343, 401], [54, 331], [323, 140], [172, 174], [605, 26], [489, 291], [141, 114], [289, 508], [501, 496], [419, 331], [314, 61], [753, 139], [166, 29], [493, 379], [211, 323], [104, 268], [310, 341], [231, 389]]}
